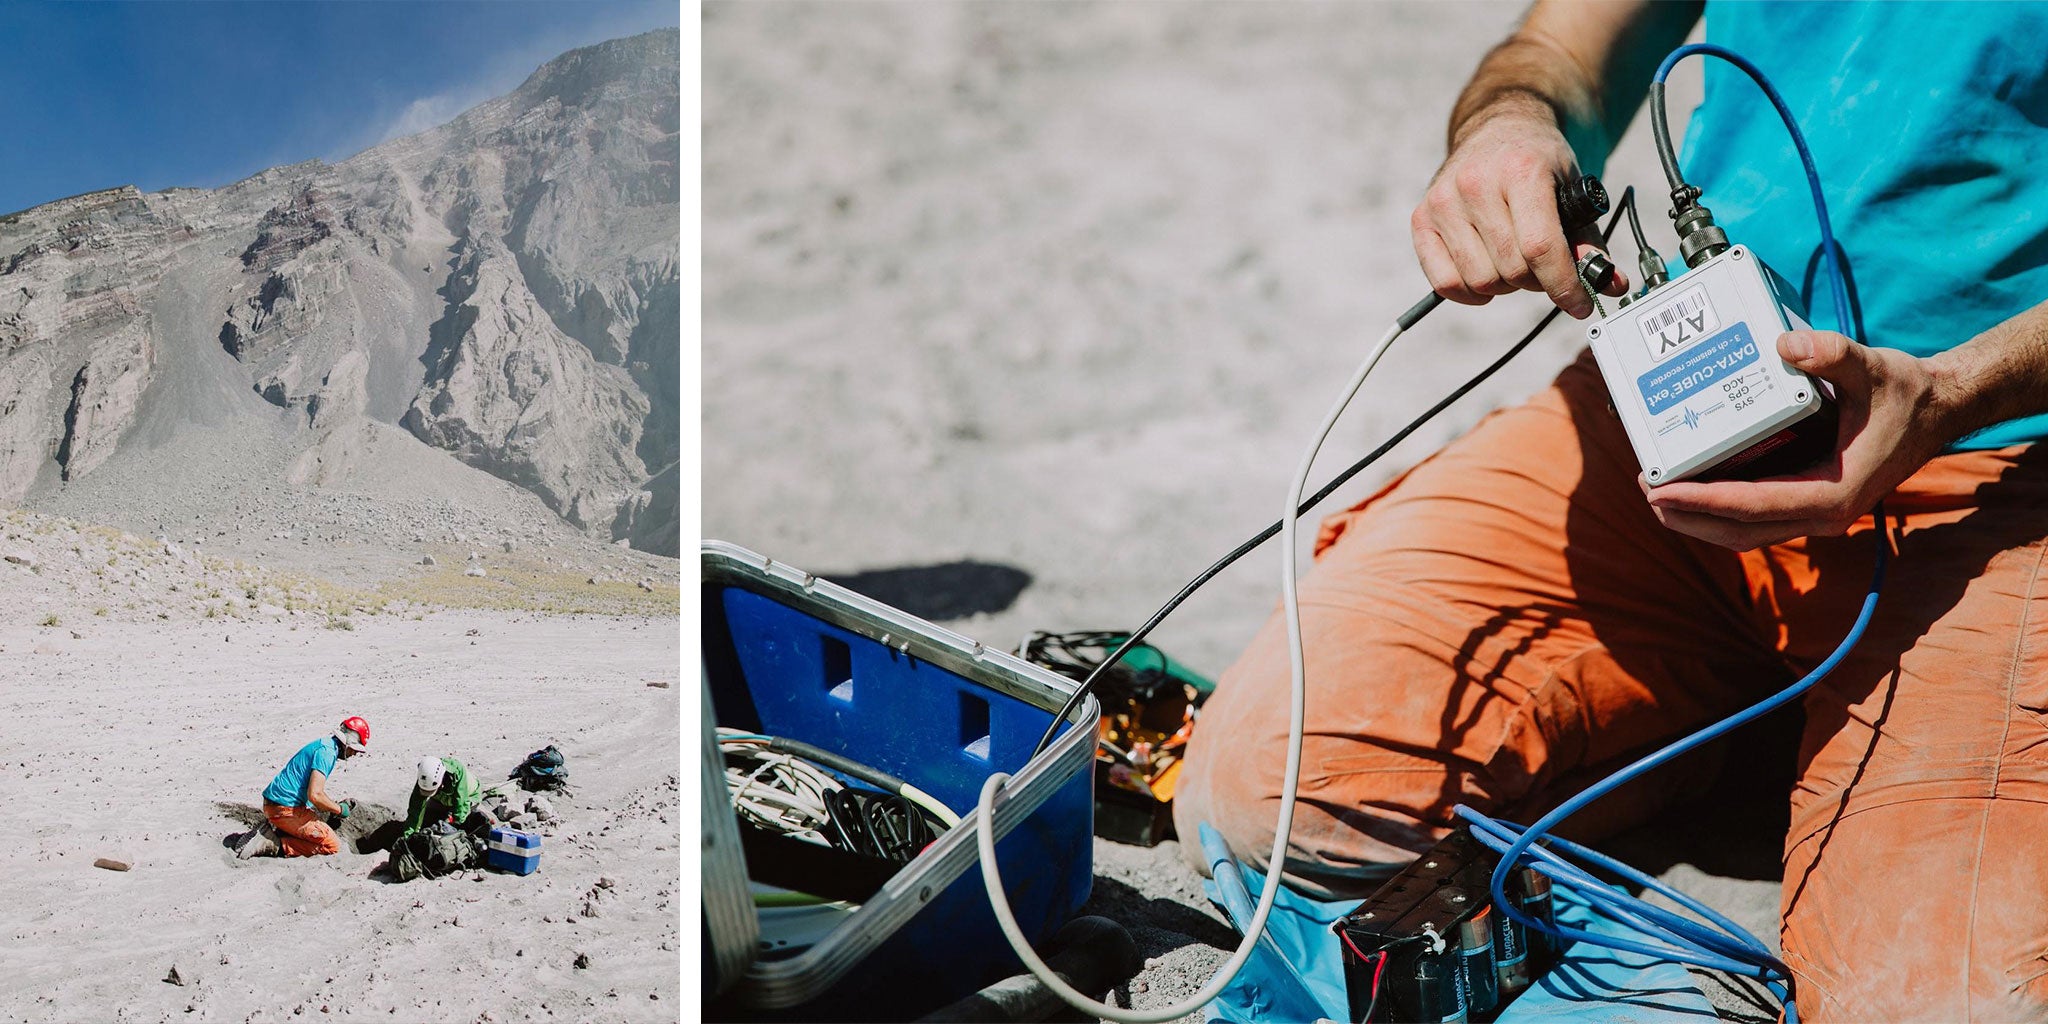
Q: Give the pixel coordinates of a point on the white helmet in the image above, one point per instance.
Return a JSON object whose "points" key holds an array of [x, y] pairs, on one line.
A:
{"points": [[431, 772]]}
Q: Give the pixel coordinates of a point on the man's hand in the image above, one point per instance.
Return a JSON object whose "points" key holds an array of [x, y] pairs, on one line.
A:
{"points": [[1489, 226], [1896, 413]]}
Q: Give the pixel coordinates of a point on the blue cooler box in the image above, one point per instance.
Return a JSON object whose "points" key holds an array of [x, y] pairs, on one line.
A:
{"points": [[512, 851], [788, 654]]}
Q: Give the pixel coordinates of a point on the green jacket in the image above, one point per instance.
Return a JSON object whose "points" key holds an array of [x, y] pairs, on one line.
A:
{"points": [[457, 797]]}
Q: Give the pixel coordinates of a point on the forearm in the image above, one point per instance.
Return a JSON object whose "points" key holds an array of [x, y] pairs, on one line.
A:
{"points": [[316, 794], [1587, 65], [1998, 375], [415, 812]]}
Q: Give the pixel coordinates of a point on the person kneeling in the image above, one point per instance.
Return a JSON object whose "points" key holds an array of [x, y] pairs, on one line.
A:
{"points": [[296, 800], [444, 791]]}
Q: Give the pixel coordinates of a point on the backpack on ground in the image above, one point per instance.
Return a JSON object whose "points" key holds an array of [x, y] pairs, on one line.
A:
{"points": [[434, 853], [543, 771]]}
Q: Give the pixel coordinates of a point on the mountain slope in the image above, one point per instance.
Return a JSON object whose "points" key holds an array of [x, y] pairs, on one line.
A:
{"points": [[504, 289]]}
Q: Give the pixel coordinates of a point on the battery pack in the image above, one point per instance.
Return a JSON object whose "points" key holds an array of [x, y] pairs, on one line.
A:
{"points": [[1694, 373], [1429, 945]]}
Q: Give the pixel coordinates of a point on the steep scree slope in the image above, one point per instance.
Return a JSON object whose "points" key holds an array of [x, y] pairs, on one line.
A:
{"points": [[505, 288]]}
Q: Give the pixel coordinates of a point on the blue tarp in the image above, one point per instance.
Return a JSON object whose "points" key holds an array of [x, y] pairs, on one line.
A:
{"points": [[1297, 972]]}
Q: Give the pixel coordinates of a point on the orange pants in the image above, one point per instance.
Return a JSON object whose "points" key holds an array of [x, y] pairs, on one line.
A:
{"points": [[302, 831], [1507, 622]]}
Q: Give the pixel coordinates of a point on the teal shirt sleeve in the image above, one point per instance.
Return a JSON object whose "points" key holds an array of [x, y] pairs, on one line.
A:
{"points": [[289, 788]]}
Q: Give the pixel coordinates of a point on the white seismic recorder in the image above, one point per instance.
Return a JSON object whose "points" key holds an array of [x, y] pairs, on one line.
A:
{"points": [[1693, 371]]}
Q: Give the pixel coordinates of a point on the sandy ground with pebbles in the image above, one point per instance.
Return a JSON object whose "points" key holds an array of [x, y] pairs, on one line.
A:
{"points": [[1060, 291], [151, 741]]}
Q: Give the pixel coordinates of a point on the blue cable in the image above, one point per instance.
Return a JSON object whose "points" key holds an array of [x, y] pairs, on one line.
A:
{"points": [[1726, 945], [1829, 250], [1496, 835]]}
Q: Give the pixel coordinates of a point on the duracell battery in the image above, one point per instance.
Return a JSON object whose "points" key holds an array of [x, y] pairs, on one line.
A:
{"points": [[1439, 994], [1475, 963], [1513, 969], [1532, 898]]}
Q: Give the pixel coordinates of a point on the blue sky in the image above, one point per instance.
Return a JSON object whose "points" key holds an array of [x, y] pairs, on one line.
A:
{"points": [[160, 94]]}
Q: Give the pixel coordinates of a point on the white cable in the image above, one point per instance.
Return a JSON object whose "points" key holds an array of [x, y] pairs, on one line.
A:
{"points": [[791, 796], [930, 803], [985, 836], [789, 769]]}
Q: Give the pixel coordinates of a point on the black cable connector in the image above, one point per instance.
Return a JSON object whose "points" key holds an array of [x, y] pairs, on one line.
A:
{"points": [[1699, 240], [1648, 260], [1581, 202], [1598, 269]]}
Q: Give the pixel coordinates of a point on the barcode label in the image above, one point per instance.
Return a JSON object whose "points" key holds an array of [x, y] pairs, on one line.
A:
{"points": [[1669, 328], [1669, 315]]}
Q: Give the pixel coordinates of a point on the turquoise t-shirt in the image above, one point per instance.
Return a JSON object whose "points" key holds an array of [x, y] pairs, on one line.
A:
{"points": [[289, 788], [1928, 123]]}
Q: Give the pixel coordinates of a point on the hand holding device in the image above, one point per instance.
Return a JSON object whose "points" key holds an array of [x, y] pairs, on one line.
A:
{"points": [[1490, 224]]}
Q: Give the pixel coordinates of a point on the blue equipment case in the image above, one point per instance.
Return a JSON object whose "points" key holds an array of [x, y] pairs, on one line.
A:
{"points": [[787, 654], [512, 851]]}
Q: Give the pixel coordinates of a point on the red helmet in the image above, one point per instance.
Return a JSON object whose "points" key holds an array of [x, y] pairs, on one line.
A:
{"points": [[353, 733]]}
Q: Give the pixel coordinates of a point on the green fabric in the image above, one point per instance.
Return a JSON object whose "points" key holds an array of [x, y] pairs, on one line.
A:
{"points": [[456, 797], [1146, 657]]}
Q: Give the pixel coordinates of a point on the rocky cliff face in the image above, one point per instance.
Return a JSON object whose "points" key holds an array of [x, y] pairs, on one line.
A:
{"points": [[505, 288]]}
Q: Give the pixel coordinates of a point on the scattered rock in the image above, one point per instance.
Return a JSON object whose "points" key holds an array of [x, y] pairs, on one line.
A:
{"points": [[428, 560], [589, 909], [582, 962], [118, 865], [476, 571], [659, 685], [540, 808], [606, 883], [510, 546], [173, 978]]}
